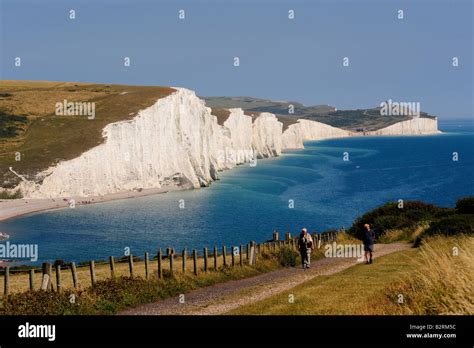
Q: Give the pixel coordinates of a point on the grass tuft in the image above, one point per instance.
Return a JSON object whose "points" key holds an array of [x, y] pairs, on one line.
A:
{"points": [[442, 282]]}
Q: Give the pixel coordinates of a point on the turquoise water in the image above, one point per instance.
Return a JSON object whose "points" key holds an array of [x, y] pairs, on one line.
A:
{"points": [[249, 202]]}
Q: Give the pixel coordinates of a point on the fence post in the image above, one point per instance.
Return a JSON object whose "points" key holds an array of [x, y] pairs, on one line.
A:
{"points": [[195, 262], [205, 259], [46, 280], [74, 274], [6, 288], [147, 276], [58, 277], [233, 256], [92, 269], [112, 266], [160, 268], [49, 272], [240, 255], [252, 258], [215, 258], [247, 249], [275, 235], [130, 265], [171, 256], [224, 256], [32, 279], [184, 260], [288, 236]]}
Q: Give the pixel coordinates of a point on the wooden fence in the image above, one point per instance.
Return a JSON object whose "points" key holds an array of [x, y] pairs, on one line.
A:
{"points": [[165, 262]]}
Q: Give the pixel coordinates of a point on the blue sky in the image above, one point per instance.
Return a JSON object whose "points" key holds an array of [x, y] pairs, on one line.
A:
{"points": [[300, 59]]}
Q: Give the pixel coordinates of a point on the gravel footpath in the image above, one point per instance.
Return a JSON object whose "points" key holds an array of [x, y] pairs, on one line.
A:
{"points": [[221, 298]]}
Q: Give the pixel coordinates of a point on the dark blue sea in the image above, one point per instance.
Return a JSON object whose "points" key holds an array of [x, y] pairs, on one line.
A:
{"points": [[313, 188]]}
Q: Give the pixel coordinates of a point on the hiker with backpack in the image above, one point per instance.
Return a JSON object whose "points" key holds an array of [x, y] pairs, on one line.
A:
{"points": [[305, 245], [369, 240]]}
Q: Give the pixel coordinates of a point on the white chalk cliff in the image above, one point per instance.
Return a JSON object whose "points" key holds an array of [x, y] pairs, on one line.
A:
{"points": [[415, 126], [178, 142], [305, 130]]}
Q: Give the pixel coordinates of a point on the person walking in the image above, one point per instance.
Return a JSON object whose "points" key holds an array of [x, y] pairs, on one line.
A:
{"points": [[305, 245], [369, 240]]}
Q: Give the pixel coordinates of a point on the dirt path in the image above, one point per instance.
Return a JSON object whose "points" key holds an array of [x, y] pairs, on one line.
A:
{"points": [[221, 298]]}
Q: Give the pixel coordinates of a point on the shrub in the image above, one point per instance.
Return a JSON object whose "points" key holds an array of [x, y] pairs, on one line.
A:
{"points": [[389, 216], [391, 222], [453, 225], [287, 257], [465, 205], [4, 194]]}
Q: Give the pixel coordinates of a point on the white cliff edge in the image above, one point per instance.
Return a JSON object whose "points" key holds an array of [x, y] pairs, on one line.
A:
{"points": [[415, 126], [177, 142]]}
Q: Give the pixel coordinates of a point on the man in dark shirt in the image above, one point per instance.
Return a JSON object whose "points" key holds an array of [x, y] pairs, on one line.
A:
{"points": [[305, 244], [369, 240]]}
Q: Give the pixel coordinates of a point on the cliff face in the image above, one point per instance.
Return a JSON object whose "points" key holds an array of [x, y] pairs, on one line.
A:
{"points": [[178, 142], [174, 142], [305, 130], [415, 126]]}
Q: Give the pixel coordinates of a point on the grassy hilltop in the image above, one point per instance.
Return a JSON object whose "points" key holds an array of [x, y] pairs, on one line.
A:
{"points": [[28, 123], [368, 119]]}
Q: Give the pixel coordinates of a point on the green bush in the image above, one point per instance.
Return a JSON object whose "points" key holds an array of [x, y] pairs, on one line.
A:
{"points": [[47, 303], [389, 217], [4, 194], [287, 257], [465, 205], [456, 224], [391, 222]]}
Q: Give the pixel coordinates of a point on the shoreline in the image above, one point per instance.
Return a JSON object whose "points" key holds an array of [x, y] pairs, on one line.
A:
{"points": [[13, 208]]}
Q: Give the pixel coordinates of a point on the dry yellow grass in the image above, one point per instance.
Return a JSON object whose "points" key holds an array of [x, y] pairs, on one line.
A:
{"points": [[408, 234], [442, 282], [221, 114], [346, 238], [19, 282], [45, 138]]}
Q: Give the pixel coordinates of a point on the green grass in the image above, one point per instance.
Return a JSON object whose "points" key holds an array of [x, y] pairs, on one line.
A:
{"points": [[347, 292], [4, 194]]}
